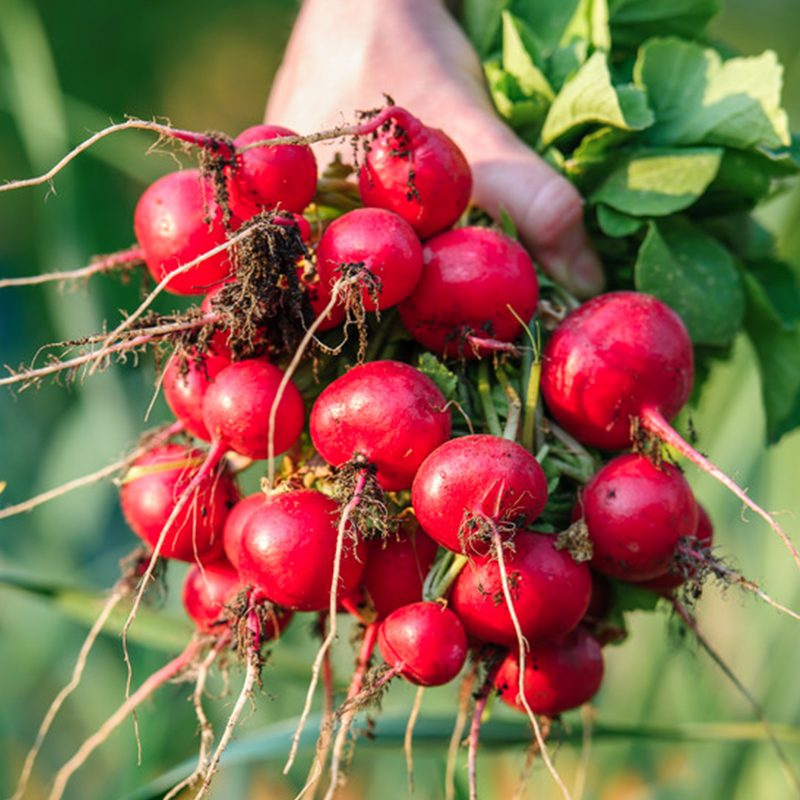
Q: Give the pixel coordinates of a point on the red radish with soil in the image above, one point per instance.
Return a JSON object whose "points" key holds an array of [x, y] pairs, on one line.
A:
{"points": [[414, 170], [387, 412], [150, 493], [550, 591], [288, 550], [636, 512], [473, 480], [478, 288], [624, 359], [265, 177], [613, 373], [172, 227], [385, 248], [557, 676]]}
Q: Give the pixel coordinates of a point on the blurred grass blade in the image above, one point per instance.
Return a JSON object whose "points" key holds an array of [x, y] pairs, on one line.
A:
{"points": [[153, 628], [389, 732]]}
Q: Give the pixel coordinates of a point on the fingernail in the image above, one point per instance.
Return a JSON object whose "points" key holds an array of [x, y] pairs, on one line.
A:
{"points": [[585, 274]]}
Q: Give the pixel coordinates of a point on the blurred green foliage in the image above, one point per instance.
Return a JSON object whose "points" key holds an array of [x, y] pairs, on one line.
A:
{"points": [[67, 69]]}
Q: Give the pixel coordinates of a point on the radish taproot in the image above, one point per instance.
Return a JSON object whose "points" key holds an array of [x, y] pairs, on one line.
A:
{"points": [[241, 402], [635, 514], [396, 567], [185, 382], [209, 591], [689, 557], [265, 177]]}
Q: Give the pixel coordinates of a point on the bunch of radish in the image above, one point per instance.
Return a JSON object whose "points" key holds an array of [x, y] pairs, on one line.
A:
{"points": [[474, 502]]}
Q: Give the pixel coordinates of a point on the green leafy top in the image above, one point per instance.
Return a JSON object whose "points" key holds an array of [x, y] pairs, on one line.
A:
{"points": [[672, 143]]}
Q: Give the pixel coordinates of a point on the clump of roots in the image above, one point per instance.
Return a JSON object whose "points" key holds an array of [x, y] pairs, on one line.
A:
{"points": [[265, 308], [576, 540], [217, 163], [357, 480]]}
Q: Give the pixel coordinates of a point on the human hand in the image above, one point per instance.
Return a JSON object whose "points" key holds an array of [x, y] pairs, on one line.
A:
{"points": [[348, 55]]}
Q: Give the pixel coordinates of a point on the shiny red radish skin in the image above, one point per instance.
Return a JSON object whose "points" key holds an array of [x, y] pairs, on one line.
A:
{"points": [[416, 171], [636, 513], [617, 358], [701, 541], [396, 569], [549, 589], [473, 476], [208, 591], [558, 677], [176, 221], [185, 382], [621, 357], [237, 409], [425, 642], [150, 490], [288, 549], [272, 176], [470, 279], [233, 530], [388, 412], [383, 242]]}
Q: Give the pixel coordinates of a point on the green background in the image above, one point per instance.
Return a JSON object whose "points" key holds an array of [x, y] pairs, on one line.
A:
{"points": [[68, 69]]}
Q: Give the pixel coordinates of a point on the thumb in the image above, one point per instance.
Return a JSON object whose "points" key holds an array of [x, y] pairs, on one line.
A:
{"points": [[545, 207]]}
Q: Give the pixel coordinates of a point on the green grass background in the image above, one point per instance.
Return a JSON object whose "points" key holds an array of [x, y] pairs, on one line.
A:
{"points": [[67, 69]]}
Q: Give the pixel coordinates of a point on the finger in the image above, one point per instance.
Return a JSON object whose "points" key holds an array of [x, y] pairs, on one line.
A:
{"points": [[546, 208]]}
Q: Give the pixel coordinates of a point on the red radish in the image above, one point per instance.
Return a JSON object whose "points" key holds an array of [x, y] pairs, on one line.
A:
{"points": [[177, 221], [208, 591], [558, 676], [416, 171], [185, 382], [396, 568], [152, 488], [619, 357], [383, 244], [238, 409], [425, 642], [288, 548], [550, 592], [474, 478], [636, 512], [389, 412], [626, 357], [471, 280], [271, 176], [684, 565], [233, 529]]}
